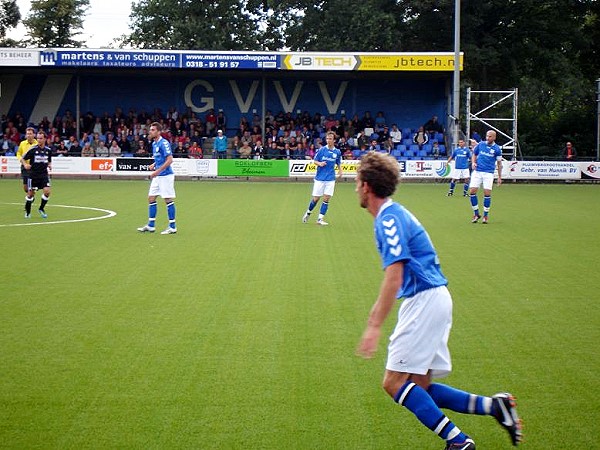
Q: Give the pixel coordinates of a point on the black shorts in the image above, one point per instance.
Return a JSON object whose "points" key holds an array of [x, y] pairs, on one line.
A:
{"points": [[38, 183], [24, 175]]}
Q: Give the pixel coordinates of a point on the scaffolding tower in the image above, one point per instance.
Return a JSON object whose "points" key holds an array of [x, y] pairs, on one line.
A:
{"points": [[496, 115]]}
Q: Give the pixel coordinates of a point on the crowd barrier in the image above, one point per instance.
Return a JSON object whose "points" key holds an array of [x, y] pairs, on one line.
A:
{"points": [[213, 168]]}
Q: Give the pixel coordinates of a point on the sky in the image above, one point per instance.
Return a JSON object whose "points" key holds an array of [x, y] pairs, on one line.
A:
{"points": [[104, 21]]}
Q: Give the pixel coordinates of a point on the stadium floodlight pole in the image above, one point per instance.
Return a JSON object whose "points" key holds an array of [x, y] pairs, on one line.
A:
{"points": [[598, 120], [456, 90]]}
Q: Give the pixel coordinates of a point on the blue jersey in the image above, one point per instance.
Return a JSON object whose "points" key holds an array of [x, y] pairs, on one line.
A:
{"points": [[331, 157], [461, 157], [401, 238], [487, 155], [161, 150]]}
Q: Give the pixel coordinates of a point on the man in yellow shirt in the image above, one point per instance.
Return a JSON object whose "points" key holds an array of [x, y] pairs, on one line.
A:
{"points": [[24, 147]]}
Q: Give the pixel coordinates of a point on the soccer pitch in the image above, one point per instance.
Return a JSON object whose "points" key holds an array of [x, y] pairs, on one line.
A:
{"points": [[239, 332]]}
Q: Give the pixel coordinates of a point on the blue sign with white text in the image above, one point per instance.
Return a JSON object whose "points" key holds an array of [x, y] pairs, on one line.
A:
{"points": [[106, 58], [199, 60], [159, 59]]}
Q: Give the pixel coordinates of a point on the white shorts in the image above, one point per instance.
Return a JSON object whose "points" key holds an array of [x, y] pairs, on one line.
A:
{"points": [[321, 188], [419, 343], [162, 185], [482, 178], [460, 174]]}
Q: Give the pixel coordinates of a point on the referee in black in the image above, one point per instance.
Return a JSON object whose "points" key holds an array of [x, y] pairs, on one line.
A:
{"points": [[40, 159]]}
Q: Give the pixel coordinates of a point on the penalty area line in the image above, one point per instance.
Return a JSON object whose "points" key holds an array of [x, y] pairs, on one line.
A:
{"points": [[107, 214]]}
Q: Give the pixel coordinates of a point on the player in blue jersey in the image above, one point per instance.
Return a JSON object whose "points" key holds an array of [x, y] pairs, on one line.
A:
{"points": [[326, 159], [461, 156], [418, 347], [163, 181], [487, 157]]}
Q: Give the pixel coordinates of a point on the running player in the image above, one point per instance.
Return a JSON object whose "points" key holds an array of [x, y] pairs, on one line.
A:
{"points": [[37, 163], [326, 159], [418, 347]]}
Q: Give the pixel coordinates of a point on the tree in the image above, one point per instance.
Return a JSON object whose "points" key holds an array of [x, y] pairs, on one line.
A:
{"points": [[9, 18], [216, 25], [336, 25], [55, 23], [549, 50]]}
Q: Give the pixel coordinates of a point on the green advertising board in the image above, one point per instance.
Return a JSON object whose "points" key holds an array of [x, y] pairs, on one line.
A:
{"points": [[252, 168]]}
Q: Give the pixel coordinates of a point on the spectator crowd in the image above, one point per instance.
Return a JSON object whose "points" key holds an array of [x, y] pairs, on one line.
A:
{"points": [[285, 135]]}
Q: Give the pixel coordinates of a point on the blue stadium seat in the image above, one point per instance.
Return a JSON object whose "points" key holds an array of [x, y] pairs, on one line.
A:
{"points": [[427, 148], [406, 132], [414, 148], [401, 147], [397, 153], [407, 141], [442, 149], [422, 153], [439, 137]]}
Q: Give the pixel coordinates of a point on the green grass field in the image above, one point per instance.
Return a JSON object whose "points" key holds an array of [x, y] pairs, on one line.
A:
{"points": [[239, 331]]}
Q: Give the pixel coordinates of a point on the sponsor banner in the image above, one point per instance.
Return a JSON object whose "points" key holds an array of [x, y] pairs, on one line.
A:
{"points": [[372, 62], [9, 164], [64, 165], [155, 59], [109, 58], [525, 170], [199, 60], [19, 57], [545, 170], [410, 62], [195, 167], [306, 168], [202, 167], [133, 164], [252, 168], [589, 170], [426, 169], [181, 166], [102, 164], [323, 61]]}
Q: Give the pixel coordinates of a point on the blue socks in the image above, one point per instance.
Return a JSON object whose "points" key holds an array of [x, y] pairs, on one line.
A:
{"points": [[311, 205], [456, 400], [475, 204], [324, 207], [171, 214], [151, 214], [487, 202], [421, 404]]}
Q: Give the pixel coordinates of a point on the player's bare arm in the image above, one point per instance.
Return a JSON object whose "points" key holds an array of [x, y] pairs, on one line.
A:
{"points": [[499, 173], [392, 280]]}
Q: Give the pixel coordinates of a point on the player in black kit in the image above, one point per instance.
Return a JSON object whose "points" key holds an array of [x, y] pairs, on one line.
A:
{"points": [[40, 159]]}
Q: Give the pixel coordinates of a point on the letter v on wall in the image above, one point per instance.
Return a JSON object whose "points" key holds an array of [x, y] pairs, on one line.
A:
{"points": [[332, 107], [243, 105]]}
